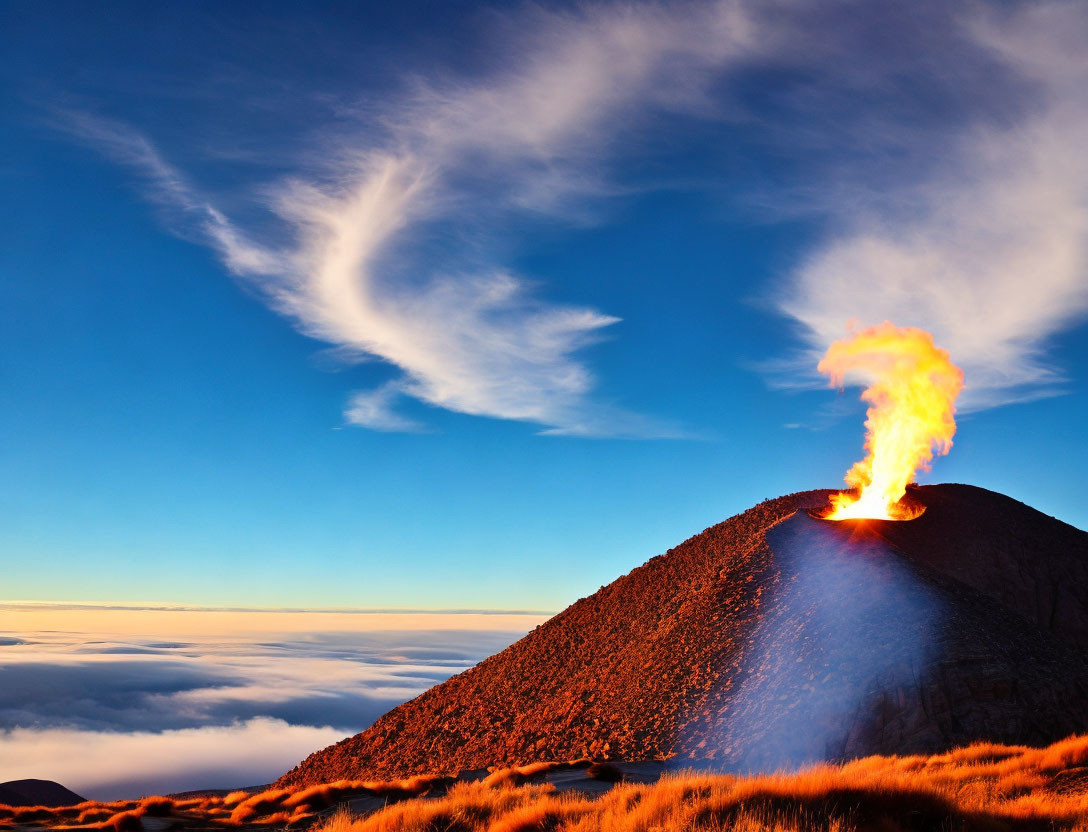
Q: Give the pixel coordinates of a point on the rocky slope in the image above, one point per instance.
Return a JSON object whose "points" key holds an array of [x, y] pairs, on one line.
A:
{"points": [[775, 638]]}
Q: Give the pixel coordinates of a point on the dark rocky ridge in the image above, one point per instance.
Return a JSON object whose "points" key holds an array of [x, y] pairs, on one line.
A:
{"points": [[37, 793], [773, 638]]}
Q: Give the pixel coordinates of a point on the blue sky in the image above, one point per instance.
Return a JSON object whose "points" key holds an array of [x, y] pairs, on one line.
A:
{"points": [[294, 298]]}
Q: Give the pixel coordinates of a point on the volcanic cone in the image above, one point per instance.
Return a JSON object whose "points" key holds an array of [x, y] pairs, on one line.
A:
{"points": [[774, 639]]}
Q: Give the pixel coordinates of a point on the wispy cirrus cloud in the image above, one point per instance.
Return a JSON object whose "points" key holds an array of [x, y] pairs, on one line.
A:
{"points": [[466, 334], [188, 211], [941, 165], [376, 409]]}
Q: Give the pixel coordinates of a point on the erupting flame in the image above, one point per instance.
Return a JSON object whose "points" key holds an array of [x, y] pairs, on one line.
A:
{"points": [[911, 408]]}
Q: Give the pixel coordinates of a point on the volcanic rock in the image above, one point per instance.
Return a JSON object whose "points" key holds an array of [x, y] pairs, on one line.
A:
{"points": [[775, 639]]}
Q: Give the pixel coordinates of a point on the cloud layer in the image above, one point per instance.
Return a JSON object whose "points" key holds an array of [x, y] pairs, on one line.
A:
{"points": [[159, 700], [110, 765]]}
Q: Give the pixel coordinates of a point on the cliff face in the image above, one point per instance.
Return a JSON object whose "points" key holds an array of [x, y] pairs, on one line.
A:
{"points": [[775, 638]]}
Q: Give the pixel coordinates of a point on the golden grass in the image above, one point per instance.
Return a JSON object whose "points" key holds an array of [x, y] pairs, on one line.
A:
{"points": [[981, 787], [519, 775], [985, 787], [272, 807]]}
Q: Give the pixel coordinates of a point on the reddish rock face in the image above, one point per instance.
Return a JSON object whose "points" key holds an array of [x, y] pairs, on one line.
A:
{"points": [[773, 639]]}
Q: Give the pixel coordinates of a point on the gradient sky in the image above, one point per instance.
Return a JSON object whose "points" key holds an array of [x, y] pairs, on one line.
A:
{"points": [[451, 305]]}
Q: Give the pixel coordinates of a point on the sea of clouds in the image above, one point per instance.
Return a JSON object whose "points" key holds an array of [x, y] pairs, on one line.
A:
{"points": [[121, 702]]}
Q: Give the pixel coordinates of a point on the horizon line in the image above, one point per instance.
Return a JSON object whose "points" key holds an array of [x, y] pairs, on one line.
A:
{"points": [[153, 606]]}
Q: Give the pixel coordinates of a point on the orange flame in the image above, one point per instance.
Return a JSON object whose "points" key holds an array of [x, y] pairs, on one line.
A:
{"points": [[911, 409]]}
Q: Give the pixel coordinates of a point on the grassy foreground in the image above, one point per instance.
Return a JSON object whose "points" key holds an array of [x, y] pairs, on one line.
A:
{"points": [[981, 787]]}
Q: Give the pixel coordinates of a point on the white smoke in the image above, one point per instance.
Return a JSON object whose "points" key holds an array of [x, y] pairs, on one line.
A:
{"points": [[846, 626], [990, 253]]}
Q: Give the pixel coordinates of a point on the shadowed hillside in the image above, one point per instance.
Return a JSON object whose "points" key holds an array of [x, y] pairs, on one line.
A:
{"points": [[37, 793], [773, 639]]}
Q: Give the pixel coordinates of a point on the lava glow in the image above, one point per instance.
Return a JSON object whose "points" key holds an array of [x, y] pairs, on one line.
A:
{"points": [[911, 397]]}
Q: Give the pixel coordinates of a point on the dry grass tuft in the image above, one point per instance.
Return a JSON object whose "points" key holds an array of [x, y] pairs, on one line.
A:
{"points": [[520, 775], [262, 803], [93, 814], [157, 807], [29, 814], [128, 821]]}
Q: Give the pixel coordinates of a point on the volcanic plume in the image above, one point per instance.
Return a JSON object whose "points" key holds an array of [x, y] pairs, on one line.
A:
{"points": [[911, 395], [773, 639]]}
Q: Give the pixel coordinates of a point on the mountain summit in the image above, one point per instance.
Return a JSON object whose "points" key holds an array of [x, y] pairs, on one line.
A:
{"points": [[773, 639]]}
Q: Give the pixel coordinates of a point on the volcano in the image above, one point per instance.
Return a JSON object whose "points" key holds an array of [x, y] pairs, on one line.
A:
{"points": [[774, 639]]}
